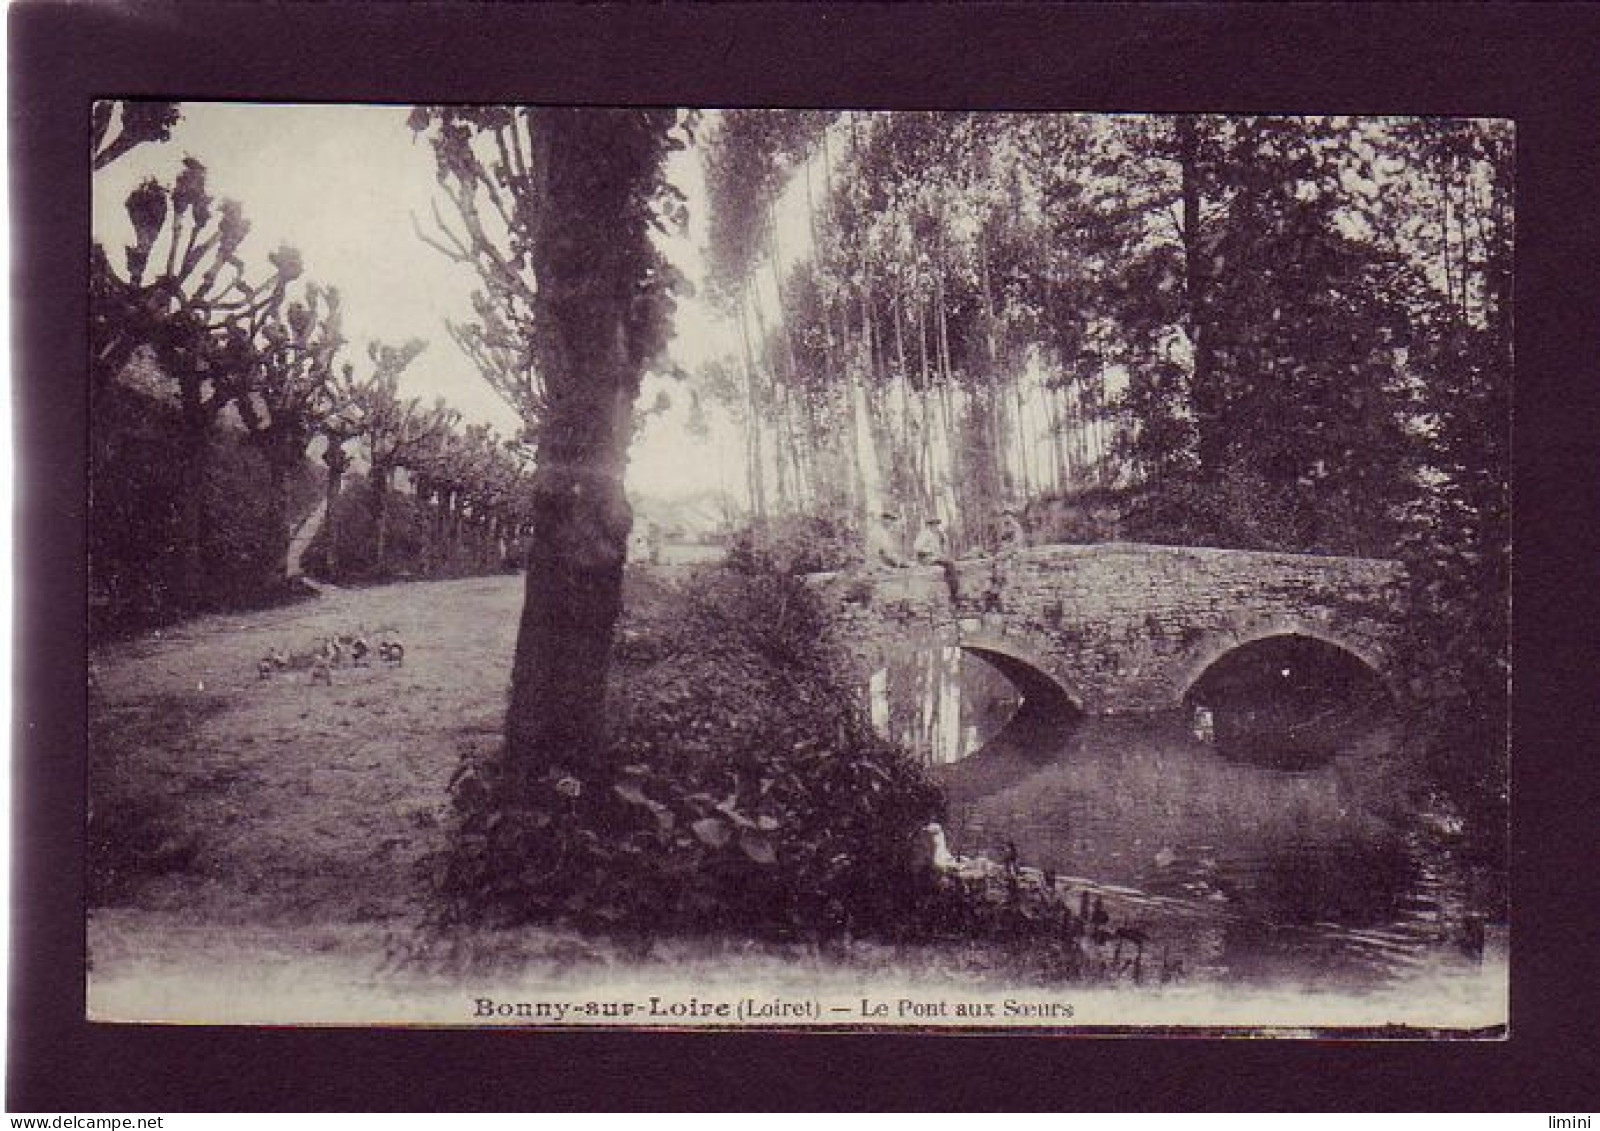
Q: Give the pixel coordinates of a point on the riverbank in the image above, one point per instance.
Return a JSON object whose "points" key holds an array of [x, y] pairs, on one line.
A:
{"points": [[260, 840]]}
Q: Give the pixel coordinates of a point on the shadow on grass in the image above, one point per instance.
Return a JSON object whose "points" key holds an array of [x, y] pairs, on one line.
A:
{"points": [[136, 828]]}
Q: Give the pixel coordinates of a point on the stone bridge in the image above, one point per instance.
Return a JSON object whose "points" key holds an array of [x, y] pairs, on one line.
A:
{"points": [[1119, 628]]}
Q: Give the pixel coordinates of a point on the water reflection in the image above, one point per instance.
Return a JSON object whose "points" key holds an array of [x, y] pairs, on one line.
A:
{"points": [[1321, 870], [1288, 701], [941, 703]]}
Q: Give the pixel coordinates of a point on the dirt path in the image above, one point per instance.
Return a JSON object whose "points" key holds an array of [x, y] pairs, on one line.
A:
{"points": [[300, 542], [308, 804]]}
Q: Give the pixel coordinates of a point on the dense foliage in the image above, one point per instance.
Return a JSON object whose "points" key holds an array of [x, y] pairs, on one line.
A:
{"points": [[136, 541], [998, 306], [1457, 545], [1264, 333], [798, 544], [750, 791]]}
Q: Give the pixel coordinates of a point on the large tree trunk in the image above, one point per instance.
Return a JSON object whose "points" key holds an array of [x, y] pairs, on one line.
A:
{"points": [[336, 461], [575, 560], [600, 301]]}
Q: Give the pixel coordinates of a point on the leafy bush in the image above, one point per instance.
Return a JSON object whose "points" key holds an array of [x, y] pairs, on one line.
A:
{"points": [[1083, 516], [135, 539], [1453, 657], [745, 789], [798, 544], [1243, 510]]}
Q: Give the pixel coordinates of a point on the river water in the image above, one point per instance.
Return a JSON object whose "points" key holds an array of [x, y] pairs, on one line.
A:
{"points": [[1237, 862]]}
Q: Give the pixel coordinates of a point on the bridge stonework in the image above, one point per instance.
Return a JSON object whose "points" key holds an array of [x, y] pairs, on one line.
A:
{"points": [[1119, 628]]}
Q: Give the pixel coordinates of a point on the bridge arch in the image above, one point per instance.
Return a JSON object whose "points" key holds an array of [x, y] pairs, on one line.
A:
{"points": [[1125, 628], [1043, 685], [1218, 646]]}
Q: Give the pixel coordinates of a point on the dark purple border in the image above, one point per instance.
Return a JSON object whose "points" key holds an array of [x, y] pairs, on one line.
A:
{"points": [[1534, 63]]}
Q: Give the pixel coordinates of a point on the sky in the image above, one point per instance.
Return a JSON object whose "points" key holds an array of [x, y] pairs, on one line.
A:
{"points": [[341, 184]]}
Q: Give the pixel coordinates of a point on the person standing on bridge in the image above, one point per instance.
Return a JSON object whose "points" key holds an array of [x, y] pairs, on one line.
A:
{"points": [[883, 543], [931, 545], [932, 548], [1010, 537], [1013, 535]]}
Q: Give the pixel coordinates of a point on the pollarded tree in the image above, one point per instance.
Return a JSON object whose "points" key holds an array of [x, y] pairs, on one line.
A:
{"points": [[185, 298], [554, 209], [136, 122], [289, 391], [340, 424], [491, 495], [448, 471], [111, 299], [348, 408], [397, 429], [434, 481]]}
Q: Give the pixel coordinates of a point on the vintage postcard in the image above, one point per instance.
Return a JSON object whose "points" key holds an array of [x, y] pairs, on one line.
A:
{"points": [[655, 567]]}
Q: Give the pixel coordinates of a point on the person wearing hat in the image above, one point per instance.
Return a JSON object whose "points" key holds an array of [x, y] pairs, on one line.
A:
{"points": [[930, 545], [1013, 535], [1010, 536], [883, 543], [931, 548]]}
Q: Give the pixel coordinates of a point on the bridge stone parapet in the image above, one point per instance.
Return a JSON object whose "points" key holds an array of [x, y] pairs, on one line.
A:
{"points": [[1118, 627]]}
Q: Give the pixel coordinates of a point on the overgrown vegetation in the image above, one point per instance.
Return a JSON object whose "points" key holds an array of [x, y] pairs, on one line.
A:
{"points": [[742, 786], [745, 793]]}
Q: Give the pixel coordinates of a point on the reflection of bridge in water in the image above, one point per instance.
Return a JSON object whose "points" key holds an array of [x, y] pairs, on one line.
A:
{"points": [[1122, 628], [1251, 854]]}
